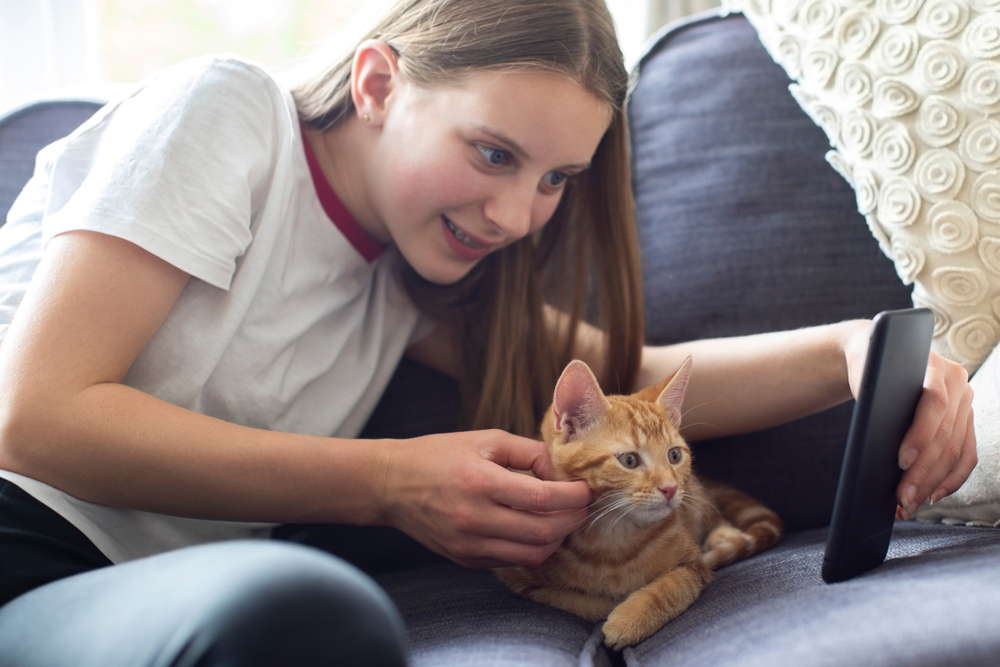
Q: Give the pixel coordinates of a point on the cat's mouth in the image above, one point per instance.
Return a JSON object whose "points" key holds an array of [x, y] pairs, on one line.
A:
{"points": [[660, 507]]}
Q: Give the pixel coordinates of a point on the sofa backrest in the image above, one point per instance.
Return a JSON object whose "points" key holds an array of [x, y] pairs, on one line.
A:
{"points": [[744, 229], [25, 131]]}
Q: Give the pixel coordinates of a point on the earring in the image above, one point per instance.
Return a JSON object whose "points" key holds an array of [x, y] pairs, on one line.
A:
{"points": [[365, 117]]}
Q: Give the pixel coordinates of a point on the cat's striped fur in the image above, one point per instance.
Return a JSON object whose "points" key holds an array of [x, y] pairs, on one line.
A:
{"points": [[655, 531]]}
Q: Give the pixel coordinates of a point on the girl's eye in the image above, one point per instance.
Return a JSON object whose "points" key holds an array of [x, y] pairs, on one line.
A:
{"points": [[495, 156], [675, 455], [629, 460], [555, 178]]}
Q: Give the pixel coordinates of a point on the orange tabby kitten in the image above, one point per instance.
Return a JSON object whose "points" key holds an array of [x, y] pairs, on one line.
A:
{"points": [[655, 531]]}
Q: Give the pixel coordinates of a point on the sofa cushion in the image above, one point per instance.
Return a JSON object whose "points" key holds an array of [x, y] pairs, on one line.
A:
{"points": [[935, 601], [458, 617], [745, 229]]}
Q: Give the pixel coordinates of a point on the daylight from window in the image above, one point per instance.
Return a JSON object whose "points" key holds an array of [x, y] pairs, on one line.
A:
{"points": [[139, 37], [99, 48]]}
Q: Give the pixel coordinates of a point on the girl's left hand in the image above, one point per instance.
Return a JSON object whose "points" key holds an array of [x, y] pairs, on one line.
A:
{"points": [[938, 453]]}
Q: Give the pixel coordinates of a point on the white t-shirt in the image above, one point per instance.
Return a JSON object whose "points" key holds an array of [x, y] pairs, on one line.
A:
{"points": [[294, 320]]}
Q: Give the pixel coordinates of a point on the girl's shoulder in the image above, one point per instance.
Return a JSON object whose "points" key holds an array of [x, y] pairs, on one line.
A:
{"points": [[214, 75], [217, 90], [179, 165]]}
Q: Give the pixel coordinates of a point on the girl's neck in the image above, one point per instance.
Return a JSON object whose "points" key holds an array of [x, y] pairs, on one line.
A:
{"points": [[342, 153]]}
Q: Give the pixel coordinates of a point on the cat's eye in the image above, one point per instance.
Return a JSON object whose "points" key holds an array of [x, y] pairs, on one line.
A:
{"points": [[629, 460], [675, 455]]}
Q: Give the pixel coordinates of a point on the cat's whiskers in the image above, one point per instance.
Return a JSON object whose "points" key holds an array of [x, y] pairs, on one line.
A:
{"points": [[697, 509], [700, 508], [700, 405], [701, 424], [610, 508], [695, 497], [613, 506], [619, 518]]}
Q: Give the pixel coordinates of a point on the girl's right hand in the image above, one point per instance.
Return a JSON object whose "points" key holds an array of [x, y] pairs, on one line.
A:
{"points": [[454, 494]]}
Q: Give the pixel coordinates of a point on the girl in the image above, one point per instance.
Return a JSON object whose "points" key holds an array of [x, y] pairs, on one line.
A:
{"points": [[224, 274]]}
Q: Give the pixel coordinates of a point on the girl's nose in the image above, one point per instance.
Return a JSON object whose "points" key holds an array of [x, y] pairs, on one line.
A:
{"points": [[510, 210]]}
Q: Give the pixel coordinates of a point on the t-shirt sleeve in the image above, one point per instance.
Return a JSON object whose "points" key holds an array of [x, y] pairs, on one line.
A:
{"points": [[177, 167]]}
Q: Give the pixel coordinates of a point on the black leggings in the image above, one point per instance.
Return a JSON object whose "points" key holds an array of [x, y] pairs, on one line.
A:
{"points": [[233, 603]]}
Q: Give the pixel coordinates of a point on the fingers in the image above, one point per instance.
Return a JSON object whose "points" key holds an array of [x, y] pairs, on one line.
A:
{"points": [[504, 536], [537, 494], [528, 493], [511, 451], [501, 553], [516, 538], [953, 479], [938, 452], [480, 514], [533, 528]]}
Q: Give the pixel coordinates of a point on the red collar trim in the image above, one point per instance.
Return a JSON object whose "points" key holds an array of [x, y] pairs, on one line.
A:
{"points": [[366, 246]]}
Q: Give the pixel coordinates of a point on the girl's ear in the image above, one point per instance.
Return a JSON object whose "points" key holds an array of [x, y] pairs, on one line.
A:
{"points": [[579, 401], [672, 395], [373, 75]]}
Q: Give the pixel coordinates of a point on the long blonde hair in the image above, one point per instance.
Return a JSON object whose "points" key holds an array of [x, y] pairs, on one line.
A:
{"points": [[584, 262]]}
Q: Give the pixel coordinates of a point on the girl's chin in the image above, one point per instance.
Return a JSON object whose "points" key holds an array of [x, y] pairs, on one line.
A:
{"points": [[444, 273]]}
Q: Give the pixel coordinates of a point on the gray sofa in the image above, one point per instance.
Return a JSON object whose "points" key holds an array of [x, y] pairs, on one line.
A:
{"points": [[744, 228]]}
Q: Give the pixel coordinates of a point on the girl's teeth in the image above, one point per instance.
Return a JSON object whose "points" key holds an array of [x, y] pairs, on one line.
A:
{"points": [[462, 236]]}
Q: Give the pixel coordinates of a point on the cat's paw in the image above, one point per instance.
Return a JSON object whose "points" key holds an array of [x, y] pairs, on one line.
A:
{"points": [[626, 628]]}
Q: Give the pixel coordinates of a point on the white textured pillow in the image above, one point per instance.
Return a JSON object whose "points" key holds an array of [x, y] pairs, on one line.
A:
{"points": [[908, 93]]}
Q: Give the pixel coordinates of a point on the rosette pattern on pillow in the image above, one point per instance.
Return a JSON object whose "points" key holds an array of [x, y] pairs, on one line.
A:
{"points": [[908, 93]]}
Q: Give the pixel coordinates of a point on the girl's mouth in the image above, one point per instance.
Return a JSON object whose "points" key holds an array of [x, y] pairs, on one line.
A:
{"points": [[462, 236]]}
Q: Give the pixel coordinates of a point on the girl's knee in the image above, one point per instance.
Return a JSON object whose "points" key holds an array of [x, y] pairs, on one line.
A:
{"points": [[281, 604]]}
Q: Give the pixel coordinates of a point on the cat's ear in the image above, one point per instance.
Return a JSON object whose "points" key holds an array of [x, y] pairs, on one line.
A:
{"points": [[578, 401], [672, 395]]}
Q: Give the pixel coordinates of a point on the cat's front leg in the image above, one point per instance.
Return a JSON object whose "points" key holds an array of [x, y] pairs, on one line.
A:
{"points": [[651, 607], [530, 583]]}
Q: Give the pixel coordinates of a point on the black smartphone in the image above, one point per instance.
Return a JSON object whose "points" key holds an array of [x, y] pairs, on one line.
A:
{"points": [[865, 508]]}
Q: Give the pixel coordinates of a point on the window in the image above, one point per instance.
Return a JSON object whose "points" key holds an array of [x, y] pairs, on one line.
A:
{"points": [[96, 48]]}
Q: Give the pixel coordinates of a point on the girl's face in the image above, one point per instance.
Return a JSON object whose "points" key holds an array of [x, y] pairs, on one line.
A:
{"points": [[459, 172]]}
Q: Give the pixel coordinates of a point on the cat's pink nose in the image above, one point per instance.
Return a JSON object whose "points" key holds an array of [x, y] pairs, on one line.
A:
{"points": [[668, 490]]}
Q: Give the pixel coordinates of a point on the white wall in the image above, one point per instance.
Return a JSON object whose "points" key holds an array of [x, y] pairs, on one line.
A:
{"points": [[47, 47]]}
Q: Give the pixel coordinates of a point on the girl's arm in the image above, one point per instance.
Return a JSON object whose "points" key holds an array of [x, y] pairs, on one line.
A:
{"points": [[66, 420], [754, 382]]}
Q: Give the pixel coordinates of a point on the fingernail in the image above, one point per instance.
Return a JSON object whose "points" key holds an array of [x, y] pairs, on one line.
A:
{"points": [[937, 495], [899, 513], [907, 458], [908, 496]]}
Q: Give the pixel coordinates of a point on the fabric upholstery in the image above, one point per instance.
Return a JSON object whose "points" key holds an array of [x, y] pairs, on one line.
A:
{"points": [[910, 106], [908, 96], [459, 617], [25, 131], [745, 229], [935, 601]]}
